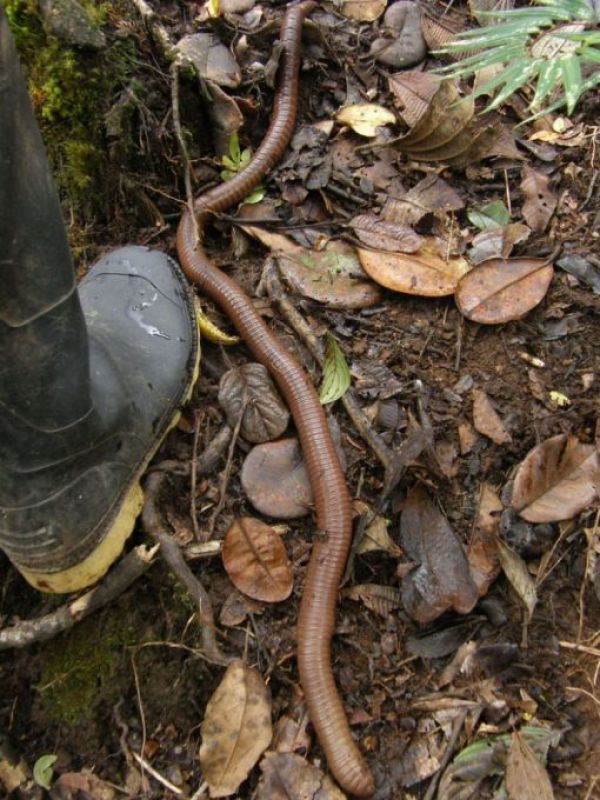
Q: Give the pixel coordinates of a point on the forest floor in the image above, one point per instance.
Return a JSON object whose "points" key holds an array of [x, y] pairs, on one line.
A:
{"points": [[455, 405]]}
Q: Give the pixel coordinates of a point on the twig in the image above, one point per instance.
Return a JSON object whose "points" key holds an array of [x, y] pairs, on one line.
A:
{"points": [[173, 556], [187, 172], [156, 775], [275, 290], [194, 473], [157, 30], [456, 729], [206, 462], [226, 473], [120, 578]]}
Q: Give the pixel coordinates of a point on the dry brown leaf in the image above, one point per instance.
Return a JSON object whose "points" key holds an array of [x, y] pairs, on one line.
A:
{"points": [[382, 600], [431, 195], [518, 576], [287, 776], [365, 118], [332, 276], [556, 480], [486, 420], [502, 290], [383, 235], [237, 608], [438, 31], [526, 777], [256, 560], [467, 438], [423, 273], [376, 535], [482, 552], [236, 729], [442, 579], [497, 242], [249, 390], [363, 10], [414, 93], [540, 201], [75, 785]]}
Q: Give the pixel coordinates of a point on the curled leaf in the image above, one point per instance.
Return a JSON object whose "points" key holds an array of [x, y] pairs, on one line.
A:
{"points": [[556, 480], [336, 373], [249, 390]]}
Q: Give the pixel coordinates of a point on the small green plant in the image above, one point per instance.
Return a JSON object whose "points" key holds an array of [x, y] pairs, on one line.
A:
{"points": [[550, 45], [237, 161]]}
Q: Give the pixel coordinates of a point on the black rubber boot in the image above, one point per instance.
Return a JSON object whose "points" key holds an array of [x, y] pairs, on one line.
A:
{"points": [[91, 379]]}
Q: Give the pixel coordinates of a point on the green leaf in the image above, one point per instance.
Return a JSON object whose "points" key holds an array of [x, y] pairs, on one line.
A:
{"points": [[213, 8], [493, 83], [227, 174], [245, 157], [256, 196], [572, 80], [515, 78], [491, 215], [547, 79], [229, 163], [234, 147], [43, 770], [336, 374]]}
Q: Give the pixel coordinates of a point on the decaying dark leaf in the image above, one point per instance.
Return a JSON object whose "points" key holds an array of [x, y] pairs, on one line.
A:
{"points": [[526, 777], [236, 729], [540, 201], [256, 560], [332, 276], [556, 480], [287, 776], [486, 419], [249, 390], [382, 235], [431, 195], [275, 480], [482, 552], [380, 599], [442, 579], [502, 290], [424, 273], [237, 607]]}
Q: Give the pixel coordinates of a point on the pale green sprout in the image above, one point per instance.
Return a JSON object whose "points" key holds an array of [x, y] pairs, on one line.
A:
{"points": [[237, 161]]}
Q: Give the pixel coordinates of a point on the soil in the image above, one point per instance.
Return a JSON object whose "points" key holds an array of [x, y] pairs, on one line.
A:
{"points": [[132, 678]]}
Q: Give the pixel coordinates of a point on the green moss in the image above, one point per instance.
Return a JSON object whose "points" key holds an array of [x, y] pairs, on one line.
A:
{"points": [[72, 90], [83, 667]]}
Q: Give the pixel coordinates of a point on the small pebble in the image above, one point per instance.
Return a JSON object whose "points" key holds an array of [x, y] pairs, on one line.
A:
{"points": [[404, 45]]}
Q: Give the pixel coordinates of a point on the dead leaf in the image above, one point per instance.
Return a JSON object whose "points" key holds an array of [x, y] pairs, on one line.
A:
{"points": [[516, 571], [363, 10], [212, 60], [256, 560], [482, 552], [467, 438], [497, 242], [249, 390], [442, 579], [380, 599], [423, 273], [365, 118], [236, 609], [486, 420], [432, 195], [332, 276], [236, 729], [76, 785], [540, 202], [382, 235], [501, 290], [526, 777], [376, 536], [556, 480], [287, 776]]}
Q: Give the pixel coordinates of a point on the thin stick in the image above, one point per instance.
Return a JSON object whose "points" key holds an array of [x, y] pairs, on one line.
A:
{"points": [[173, 556], [226, 472], [146, 767]]}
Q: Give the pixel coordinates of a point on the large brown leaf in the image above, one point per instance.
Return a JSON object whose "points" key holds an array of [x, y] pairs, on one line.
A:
{"points": [[424, 273], [443, 578], [236, 729], [256, 561], [556, 480], [501, 290]]}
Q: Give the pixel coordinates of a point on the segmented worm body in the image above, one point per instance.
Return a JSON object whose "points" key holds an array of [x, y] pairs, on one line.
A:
{"points": [[317, 610]]}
